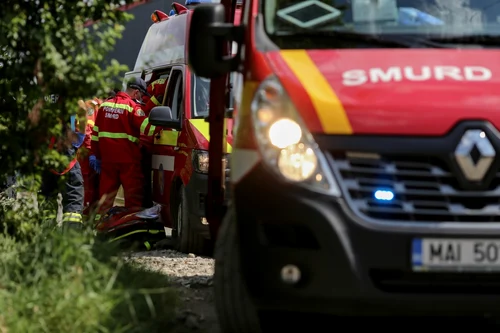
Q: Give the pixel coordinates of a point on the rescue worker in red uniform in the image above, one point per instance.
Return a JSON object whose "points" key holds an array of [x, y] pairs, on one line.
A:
{"points": [[90, 176], [116, 150], [156, 90]]}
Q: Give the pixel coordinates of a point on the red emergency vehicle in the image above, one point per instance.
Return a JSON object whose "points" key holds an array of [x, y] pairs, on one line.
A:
{"points": [[180, 157], [365, 163]]}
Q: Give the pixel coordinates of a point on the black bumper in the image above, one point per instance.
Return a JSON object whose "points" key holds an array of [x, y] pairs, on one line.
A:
{"points": [[347, 266], [196, 195]]}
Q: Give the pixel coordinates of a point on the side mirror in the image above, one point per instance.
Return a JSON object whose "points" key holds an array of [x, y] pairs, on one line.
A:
{"points": [[162, 116], [208, 35]]}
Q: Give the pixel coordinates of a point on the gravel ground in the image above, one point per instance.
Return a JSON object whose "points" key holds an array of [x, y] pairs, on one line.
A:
{"points": [[193, 277]]}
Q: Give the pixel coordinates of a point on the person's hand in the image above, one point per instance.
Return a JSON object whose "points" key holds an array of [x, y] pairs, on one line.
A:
{"points": [[95, 164]]}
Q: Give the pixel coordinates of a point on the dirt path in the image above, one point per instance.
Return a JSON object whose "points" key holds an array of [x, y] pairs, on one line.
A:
{"points": [[193, 277]]}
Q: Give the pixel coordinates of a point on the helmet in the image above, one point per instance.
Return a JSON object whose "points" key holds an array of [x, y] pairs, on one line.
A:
{"points": [[139, 84]]}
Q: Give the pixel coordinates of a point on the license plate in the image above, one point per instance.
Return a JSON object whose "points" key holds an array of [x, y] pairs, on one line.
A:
{"points": [[434, 254]]}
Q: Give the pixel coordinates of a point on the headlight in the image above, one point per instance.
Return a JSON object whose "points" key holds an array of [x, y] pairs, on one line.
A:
{"points": [[286, 145], [200, 161]]}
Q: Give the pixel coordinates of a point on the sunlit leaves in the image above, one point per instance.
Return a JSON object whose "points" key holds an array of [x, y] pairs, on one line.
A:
{"points": [[47, 47]]}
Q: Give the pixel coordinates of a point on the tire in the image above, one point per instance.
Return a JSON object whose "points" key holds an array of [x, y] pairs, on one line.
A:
{"points": [[235, 309], [188, 239]]}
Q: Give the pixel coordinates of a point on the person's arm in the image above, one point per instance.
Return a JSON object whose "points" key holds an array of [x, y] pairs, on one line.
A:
{"points": [[138, 117], [95, 135], [82, 116], [147, 131]]}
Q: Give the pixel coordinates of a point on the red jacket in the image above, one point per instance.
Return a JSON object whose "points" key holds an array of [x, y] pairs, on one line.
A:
{"points": [[92, 110], [116, 134], [156, 89]]}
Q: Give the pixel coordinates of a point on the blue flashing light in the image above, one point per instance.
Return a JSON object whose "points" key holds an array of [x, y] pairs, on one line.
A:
{"points": [[196, 2], [171, 13], [384, 195]]}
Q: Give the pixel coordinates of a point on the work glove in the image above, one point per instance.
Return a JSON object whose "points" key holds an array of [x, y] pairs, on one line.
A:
{"points": [[95, 164]]}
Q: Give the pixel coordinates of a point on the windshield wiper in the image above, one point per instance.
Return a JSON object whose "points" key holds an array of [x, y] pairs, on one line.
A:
{"points": [[477, 39], [395, 41]]}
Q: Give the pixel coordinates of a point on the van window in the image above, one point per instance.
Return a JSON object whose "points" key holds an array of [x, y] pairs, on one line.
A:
{"points": [[175, 94], [348, 24], [200, 96]]}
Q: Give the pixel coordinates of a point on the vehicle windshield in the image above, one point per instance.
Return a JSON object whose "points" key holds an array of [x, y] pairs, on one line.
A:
{"points": [[372, 23], [200, 94]]}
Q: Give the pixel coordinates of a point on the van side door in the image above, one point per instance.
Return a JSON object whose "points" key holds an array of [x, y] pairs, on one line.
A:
{"points": [[166, 155]]}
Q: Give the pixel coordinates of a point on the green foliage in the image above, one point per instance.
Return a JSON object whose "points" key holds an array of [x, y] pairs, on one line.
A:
{"points": [[48, 48], [55, 281], [51, 279]]}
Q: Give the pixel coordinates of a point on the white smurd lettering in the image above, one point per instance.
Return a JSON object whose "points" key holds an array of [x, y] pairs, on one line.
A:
{"points": [[451, 72], [424, 75], [111, 115], [356, 77], [475, 73], [113, 110], [391, 74]]}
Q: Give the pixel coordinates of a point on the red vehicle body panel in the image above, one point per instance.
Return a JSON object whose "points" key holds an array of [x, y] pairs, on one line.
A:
{"points": [[399, 105], [194, 135]]}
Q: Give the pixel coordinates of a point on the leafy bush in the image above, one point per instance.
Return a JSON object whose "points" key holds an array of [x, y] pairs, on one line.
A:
{"points": [[55, 281], [49, 48]]}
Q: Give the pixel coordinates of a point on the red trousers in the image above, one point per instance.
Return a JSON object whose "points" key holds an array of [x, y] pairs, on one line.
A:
{"points": [[130, 176], [90, 184]]}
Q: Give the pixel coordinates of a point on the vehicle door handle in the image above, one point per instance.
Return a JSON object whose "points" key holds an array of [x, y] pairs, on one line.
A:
{"points": [[176, 148]]}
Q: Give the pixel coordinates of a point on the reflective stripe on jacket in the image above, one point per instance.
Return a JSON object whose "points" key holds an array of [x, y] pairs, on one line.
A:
{"points": [[116, 133], [148, 132]]}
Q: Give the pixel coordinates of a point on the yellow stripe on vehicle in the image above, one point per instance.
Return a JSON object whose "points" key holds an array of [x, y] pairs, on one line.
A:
{"points": [[167, 138], [204, 128], [328, 107]]}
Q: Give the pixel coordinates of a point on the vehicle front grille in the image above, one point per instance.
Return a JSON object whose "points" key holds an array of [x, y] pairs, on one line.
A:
{"points": [[425, 190]]}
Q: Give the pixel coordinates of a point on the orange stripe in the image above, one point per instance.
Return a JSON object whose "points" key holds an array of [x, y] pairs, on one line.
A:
{"points": [[330, 110]]}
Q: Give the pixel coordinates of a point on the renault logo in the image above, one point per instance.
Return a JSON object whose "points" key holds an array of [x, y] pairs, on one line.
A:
{"points": [[474, 154]]}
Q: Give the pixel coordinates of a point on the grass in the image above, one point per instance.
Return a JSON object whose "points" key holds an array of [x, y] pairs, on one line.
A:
{"points": [[56, 280]]}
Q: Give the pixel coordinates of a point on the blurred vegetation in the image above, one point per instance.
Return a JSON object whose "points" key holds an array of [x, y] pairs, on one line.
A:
{"points": [[53, 280], [51, 47]]}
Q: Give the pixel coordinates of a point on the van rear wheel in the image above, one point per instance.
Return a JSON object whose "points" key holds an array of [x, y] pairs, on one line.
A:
{"points": [[188, 239], [235, 309]]}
